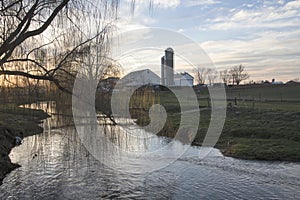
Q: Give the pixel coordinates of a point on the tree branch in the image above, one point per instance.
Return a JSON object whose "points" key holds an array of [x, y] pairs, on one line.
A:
{"points": [[9, 47], [38, 77]]}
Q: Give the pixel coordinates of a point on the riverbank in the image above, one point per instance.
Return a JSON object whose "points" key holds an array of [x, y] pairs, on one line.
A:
{"points": [[258, 134], [247, 134], [255, 133], [16, 122]]}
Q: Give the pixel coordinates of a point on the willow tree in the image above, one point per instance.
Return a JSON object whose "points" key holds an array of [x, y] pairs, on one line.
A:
{"points": [[49, 39]]}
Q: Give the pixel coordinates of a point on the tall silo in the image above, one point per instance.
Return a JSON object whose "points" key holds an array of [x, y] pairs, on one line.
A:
{"points": [[163, 82], [169, 66]]}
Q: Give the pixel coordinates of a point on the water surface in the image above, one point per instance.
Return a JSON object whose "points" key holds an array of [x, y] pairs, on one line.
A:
{"points": [[55, 165]]}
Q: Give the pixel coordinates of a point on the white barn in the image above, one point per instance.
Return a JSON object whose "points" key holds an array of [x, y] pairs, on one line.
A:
{"points": [[141, 77], [183, 79]]}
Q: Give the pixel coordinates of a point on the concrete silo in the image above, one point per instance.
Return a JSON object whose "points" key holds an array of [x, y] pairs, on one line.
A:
{"points": [[167, 68]]}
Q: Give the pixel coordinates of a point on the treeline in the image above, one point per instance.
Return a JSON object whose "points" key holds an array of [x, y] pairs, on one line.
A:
{"points": [[233, 76]]}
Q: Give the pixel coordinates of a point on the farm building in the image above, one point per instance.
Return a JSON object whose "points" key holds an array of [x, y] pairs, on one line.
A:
{"points": [[183, 79]]}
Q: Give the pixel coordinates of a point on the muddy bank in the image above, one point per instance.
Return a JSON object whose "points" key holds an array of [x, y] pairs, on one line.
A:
{"points": [[16, 122]]}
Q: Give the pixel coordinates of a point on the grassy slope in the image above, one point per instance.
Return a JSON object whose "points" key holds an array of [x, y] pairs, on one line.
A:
{"points": [[261, 134]]}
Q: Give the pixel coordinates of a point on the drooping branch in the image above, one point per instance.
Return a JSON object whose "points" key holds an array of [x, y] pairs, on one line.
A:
{"points": [[16, 38], [6, 44], [37, 77], [4, 8], [25, 74], [39, 41], [75, 49], [28, 60]]}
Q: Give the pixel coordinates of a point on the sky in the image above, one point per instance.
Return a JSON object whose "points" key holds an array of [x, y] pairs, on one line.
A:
{"points": [[262, 35]]}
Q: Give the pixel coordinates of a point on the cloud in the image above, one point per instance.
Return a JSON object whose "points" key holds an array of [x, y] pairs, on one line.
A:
{"points": [[292, 5], [157, 3], [262, 35], [270, 54], [166, 4], [191, 3], [275, 15], [140, 18]]}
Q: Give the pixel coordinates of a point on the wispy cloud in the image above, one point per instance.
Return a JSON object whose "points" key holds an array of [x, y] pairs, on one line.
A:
{"points": [[262, 34], [190, 3], [156, 3], [272, 16], [271, 52]]}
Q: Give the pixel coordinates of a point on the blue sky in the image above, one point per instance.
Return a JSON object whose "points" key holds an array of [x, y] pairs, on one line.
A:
{"points": [[262, 35]]}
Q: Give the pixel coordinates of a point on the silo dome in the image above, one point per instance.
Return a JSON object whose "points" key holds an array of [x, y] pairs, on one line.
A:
{"points": [[170, 50]]}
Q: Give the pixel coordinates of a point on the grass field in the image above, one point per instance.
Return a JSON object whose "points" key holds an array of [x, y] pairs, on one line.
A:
{"points": [[266, 92], [262, 92], [264, 128]]}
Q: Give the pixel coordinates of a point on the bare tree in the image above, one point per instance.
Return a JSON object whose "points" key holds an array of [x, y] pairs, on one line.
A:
{"points": [[212, 75], [238, 74], [201, 75], [225, 76], [52, 38]]}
